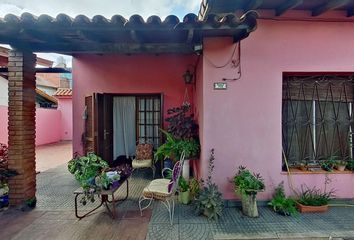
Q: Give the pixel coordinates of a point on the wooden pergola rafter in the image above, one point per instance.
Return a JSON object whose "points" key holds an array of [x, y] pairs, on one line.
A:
{"points": [[81, 34], [280, 7]]}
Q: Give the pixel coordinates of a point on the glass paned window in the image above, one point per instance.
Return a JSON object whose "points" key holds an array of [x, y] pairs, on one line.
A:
{"points": [[149, 120]]}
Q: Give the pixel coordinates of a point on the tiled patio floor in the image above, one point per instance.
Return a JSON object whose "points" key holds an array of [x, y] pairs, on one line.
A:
{"points": [[53, 218]]}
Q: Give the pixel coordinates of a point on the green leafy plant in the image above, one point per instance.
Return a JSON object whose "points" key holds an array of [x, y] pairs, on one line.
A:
{"points": [[167, 149], [174, 147], [248, 183], [194, 186], [104, 181], [350, 165], [281, 204], [314, 196], [86, 168], [208, 201], [329, 163], [183, 184], [31, 202]]}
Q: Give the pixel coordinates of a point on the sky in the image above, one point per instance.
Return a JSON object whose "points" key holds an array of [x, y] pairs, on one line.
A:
{"points": [[107, 8]]}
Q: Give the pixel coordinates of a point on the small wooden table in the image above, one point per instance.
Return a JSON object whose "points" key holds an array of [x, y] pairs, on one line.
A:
{"points": [[103, 194]]}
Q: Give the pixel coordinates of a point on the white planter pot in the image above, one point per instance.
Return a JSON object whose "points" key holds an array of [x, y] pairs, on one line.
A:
{"points": [[185, 170]]}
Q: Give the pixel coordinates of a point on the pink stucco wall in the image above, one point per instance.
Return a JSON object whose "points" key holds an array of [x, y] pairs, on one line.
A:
{"points": [[126, 74], [48, 125], [243, 123], [65, 106]]}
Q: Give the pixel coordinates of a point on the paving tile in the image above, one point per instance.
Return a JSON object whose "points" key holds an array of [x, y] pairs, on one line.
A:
{"points": [[163, 232]]}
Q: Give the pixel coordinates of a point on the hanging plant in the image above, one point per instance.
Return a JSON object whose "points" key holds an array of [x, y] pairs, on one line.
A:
{"points": [[181, 123]]}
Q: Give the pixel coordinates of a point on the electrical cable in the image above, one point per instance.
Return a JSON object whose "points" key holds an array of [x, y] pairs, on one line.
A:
{"points": [[228, 61]]}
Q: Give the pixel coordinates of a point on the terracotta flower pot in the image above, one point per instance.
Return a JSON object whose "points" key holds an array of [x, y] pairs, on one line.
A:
{"points": [[311, 209], [340, 168]]}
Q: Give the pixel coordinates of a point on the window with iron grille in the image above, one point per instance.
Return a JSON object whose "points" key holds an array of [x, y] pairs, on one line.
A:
{"points": [[317, 118], [149, 120]]}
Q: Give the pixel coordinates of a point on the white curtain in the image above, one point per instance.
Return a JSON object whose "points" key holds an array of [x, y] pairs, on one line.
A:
{"points": [[124, 126]]}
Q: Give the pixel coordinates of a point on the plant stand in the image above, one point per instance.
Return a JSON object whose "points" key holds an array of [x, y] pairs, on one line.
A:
{"points": [[249, 205], [103, 194]]}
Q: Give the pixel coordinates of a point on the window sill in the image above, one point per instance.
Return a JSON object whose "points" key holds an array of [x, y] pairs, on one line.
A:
{"points": [[296, 171]]}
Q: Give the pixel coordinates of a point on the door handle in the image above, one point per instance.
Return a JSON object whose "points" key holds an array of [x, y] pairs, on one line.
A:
{"points": [[105, 133]]}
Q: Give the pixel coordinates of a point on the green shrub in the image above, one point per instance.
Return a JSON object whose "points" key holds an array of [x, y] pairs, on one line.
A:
{"points": [[314, 196], [281, 204], [248, 183]]}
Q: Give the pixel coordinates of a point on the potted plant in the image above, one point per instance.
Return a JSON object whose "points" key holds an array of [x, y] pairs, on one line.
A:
{"points": [[340, 165], [173, 148], [329, 164], [183, 127], [208, 201], [194, 186], [302, 165], [350, 165], [313, 200], [184, 191], [281, 204], [166, 150], [85, 169], [5, 174], [247, 185]]}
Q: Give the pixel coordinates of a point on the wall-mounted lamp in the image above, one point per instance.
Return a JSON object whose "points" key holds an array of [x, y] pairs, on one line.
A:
{"points": [[188, 77]]}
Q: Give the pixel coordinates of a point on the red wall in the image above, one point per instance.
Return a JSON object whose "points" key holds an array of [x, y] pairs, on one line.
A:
{"points": [[126, 74]]}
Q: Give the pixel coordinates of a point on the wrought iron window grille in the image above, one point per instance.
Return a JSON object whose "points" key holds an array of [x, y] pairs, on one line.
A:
{"points": [[317, 118]]}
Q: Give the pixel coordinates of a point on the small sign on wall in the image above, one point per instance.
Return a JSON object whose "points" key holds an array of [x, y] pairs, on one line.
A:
{"points": [[220, 86]]}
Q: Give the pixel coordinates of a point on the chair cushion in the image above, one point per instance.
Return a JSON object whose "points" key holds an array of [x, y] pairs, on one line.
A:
{"points": [[143, 151], [157, 189], [142, 163]]}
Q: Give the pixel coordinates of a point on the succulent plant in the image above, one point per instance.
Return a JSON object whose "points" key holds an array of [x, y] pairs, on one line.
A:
{"points": [[209, 200]]}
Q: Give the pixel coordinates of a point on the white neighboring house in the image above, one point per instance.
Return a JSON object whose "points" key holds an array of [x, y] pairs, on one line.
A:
{"points": [[3, 92], [42, 98]]}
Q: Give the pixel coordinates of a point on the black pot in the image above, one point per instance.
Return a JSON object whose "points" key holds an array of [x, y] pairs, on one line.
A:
{"points": [[167, 163]]}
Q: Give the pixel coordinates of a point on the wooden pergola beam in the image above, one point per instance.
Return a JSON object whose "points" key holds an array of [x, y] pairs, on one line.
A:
{"points": [[252, 4], [41, 70], [330, 5], [288, 5], [121, 48]]}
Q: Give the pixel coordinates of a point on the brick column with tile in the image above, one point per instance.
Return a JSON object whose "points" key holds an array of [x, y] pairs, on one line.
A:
{"points": [[22, 125]]}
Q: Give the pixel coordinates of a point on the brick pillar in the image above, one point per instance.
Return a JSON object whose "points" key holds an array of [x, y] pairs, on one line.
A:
{"points": [[22, 125]]}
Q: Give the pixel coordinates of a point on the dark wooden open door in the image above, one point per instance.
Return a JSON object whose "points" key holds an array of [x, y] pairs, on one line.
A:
{"points": [[88, 138], [104, 126], [99, 126]]}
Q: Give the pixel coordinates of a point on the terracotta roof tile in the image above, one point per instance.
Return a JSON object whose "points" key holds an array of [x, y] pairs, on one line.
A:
{"points": [[63, 92], [46, 96]]}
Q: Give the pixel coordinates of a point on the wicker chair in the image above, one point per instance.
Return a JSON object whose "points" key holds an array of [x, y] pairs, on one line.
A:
{"points": [[163, 190], [144, 157]]}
